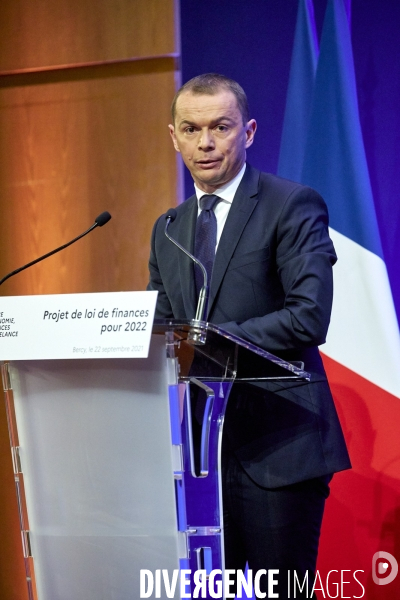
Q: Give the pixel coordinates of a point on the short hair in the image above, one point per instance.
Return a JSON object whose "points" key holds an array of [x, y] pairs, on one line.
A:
{"points": [[210, 84]]}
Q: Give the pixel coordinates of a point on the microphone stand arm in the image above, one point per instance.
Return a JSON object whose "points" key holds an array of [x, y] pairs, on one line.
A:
{"points": [[33, 262], [203, 296]]}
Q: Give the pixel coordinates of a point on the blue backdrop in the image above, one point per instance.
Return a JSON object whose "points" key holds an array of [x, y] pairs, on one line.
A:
{"points": [[251, 41]]}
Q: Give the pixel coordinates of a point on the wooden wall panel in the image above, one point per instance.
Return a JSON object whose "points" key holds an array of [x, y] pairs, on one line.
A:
{"points": [[40, 33], [68, 151]]}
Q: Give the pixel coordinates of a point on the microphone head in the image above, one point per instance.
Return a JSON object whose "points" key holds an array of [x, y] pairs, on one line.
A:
{"points": [[171, 214], [103, 218]]}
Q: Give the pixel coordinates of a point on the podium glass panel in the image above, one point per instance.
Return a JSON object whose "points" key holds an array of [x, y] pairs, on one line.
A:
{"points": [[97, 463], [206, 371], [221, 355]]}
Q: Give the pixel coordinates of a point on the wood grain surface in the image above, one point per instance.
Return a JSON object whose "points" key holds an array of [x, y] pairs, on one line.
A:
{"points": [[68, 151], [39, 33]]}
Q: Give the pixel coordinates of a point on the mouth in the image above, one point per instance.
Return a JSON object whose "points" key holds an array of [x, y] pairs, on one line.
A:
{"points": [[207, 163]]}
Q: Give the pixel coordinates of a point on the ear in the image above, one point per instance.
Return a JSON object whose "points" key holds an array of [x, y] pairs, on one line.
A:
{"points": [[173, 136], [251, 128]]}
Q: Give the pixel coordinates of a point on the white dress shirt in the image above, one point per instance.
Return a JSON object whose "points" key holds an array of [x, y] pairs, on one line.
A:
{"points": [[226, 193]]}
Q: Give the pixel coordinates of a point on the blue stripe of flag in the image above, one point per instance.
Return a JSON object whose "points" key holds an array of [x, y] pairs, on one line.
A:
{"points": [[299, 94], [334, 160]]}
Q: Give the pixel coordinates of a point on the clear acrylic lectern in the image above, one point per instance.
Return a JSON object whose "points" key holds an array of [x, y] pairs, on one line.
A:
{"points": [[116, 461]]}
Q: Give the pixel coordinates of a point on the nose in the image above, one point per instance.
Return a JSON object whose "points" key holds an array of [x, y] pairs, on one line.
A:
{"points": [[206, 140]]}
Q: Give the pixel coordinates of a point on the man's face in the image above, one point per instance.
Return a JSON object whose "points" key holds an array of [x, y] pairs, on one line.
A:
{"points": [[210, 134]]}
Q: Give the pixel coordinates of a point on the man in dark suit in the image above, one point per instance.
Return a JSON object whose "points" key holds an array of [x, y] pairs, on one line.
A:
{"points": [[271, 285]]}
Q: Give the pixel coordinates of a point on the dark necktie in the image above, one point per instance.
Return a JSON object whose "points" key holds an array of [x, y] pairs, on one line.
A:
{"points": [[206, 239]]}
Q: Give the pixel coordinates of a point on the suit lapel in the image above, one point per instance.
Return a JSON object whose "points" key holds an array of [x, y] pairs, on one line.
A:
{"points": [[185, 236], [243, 204]]}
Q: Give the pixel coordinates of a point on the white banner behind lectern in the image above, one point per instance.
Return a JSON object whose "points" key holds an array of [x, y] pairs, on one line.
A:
{"points": [[116, 324]]}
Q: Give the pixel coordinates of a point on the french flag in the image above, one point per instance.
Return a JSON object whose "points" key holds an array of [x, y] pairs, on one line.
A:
{"points": [[322, 146]]}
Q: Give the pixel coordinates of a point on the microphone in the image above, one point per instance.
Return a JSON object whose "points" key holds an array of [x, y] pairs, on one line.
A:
{"points": [[98, 222], [101, 220], [197, 334]]}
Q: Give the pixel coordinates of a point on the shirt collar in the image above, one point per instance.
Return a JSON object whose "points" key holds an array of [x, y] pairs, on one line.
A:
{"points": [[226, 192]]}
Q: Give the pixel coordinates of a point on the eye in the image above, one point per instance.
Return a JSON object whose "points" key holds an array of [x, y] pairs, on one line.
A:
{"points": [[190, 129], [221, 128]]}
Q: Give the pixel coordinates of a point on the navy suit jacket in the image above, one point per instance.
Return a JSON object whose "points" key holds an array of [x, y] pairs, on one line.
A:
{"points": [[271, 285]]}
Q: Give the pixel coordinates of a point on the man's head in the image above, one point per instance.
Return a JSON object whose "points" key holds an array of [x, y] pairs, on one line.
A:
{"points": [[211, 129], [210, 84]]}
